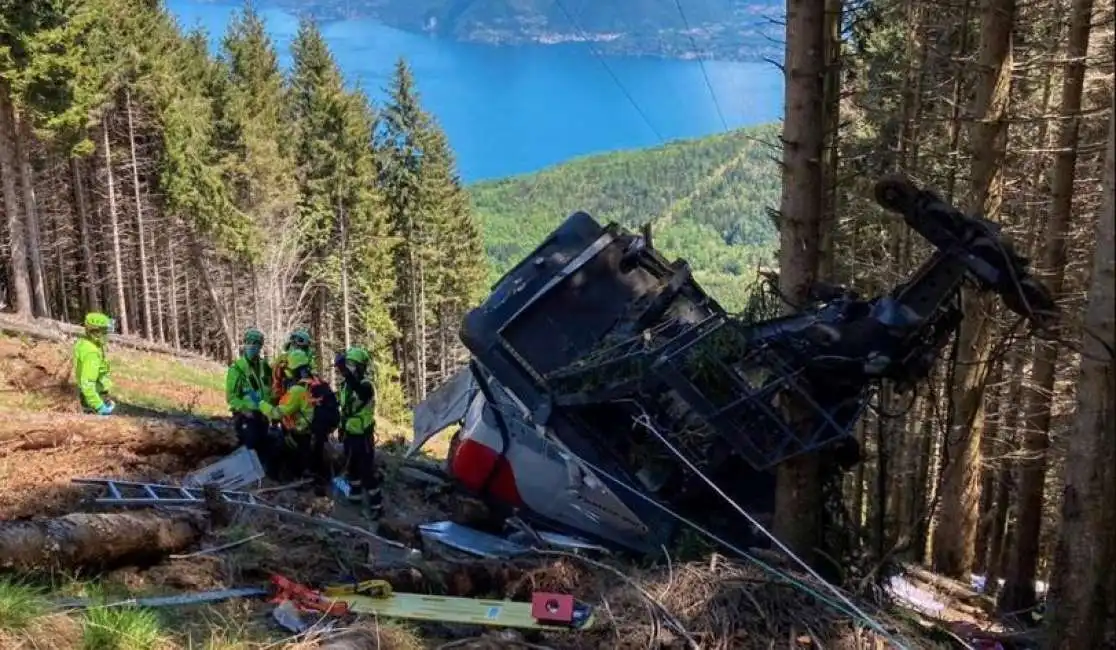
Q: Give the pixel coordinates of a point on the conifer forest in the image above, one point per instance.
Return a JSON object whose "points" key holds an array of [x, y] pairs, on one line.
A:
{"points": [[192, 191], [191, 196]]}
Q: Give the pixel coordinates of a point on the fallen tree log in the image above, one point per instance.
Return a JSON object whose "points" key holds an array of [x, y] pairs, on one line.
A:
{"points": [[57, 331], [953, 588], [85, 540], [187, 435]]}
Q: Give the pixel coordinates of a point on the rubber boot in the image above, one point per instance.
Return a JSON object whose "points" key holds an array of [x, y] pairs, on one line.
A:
{"points": [[372, 506]]}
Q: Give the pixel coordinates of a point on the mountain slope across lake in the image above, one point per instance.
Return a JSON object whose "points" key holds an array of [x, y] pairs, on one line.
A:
{"points": [[707, 200], [740, 30]]}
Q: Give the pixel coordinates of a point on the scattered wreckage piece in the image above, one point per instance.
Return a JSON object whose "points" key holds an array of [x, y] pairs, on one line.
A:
{"points": [[97, 540], [594, 350], [468, 540], [522, 541], [237, 470], [178, 600], [546, 611]]}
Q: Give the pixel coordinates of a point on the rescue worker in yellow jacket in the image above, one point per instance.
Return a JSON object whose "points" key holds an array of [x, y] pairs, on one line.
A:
{"points": [[304, 448], [299, 339], [358, 428], [91, 367], [247, 385]]}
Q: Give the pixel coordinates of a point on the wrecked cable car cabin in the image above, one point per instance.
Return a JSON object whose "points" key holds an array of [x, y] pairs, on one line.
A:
{"points": [[610, 397]]}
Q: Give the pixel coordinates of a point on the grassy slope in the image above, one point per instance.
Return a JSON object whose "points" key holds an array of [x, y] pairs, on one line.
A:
{"points": [[707, 199]]}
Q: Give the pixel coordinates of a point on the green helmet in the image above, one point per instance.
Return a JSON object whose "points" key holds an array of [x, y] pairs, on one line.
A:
{"points": [[300, 338], [253, 336], [296, 360], [97, 321], [358, 356]]}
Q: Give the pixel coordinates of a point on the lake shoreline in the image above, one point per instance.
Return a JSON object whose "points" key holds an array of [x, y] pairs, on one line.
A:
{"points": [[519, 109], [726, 41]]}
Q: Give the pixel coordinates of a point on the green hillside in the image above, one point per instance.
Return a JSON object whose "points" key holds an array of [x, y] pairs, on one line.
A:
{"points": [[706, 198]]}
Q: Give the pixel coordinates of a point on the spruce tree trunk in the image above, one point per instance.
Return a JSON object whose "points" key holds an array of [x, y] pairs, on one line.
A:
{"points": [[141, 236], [31, 215], [955, 536], [228, 344], [831, 107], [956, 101], [91, 292], [62, 262], [923, 486], [21, 279], [989, 452], [157, 278], [121, 305], [1086, 549], [798, 501], [189, 305], [346, 306], [1019, 588], [172, 272]]}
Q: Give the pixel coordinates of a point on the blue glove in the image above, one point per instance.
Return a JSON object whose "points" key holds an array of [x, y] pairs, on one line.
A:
{"points": [[106, 408], [339, 360]]}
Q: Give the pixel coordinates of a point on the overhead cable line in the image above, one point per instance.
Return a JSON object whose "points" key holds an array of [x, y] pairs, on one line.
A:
{"points": [[609, 70], [701, 62]]}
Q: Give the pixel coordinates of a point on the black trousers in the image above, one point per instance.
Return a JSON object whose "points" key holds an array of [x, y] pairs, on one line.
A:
{"points": [[360, 466], [251, 430], [308, 456]]}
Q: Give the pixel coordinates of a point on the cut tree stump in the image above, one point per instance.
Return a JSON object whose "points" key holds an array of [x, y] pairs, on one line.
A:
{"points": [[84, 540]]}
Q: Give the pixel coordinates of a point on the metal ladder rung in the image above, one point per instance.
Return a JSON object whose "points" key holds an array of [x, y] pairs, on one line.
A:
{"points": [[125, 493]]}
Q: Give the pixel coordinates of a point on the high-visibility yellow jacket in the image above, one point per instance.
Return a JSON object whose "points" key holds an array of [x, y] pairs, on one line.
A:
{"points": [[243, 378], [295, 409], [358, 408], [91, 372]]}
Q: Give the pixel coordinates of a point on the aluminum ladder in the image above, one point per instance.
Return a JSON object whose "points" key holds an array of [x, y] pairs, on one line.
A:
{"points": [[132, 493]]}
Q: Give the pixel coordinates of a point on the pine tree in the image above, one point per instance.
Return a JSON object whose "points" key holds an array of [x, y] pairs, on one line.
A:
{"points": [[319, 108], [259, 167], [400, 173], [343, 217], [455, 252]]}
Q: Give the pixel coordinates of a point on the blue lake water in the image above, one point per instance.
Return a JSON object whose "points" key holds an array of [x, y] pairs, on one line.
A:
{"points": [[512, 110]]}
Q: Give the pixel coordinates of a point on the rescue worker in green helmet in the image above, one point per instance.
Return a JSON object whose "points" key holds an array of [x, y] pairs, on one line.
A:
{"points": [[247, 385], [303, 438], [91, 367], [358, 427], [300, 340]]}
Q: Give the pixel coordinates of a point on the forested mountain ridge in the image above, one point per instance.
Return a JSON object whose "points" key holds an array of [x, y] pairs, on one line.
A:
{"points": [[191, 195], [720, 29], [707, 199]]}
